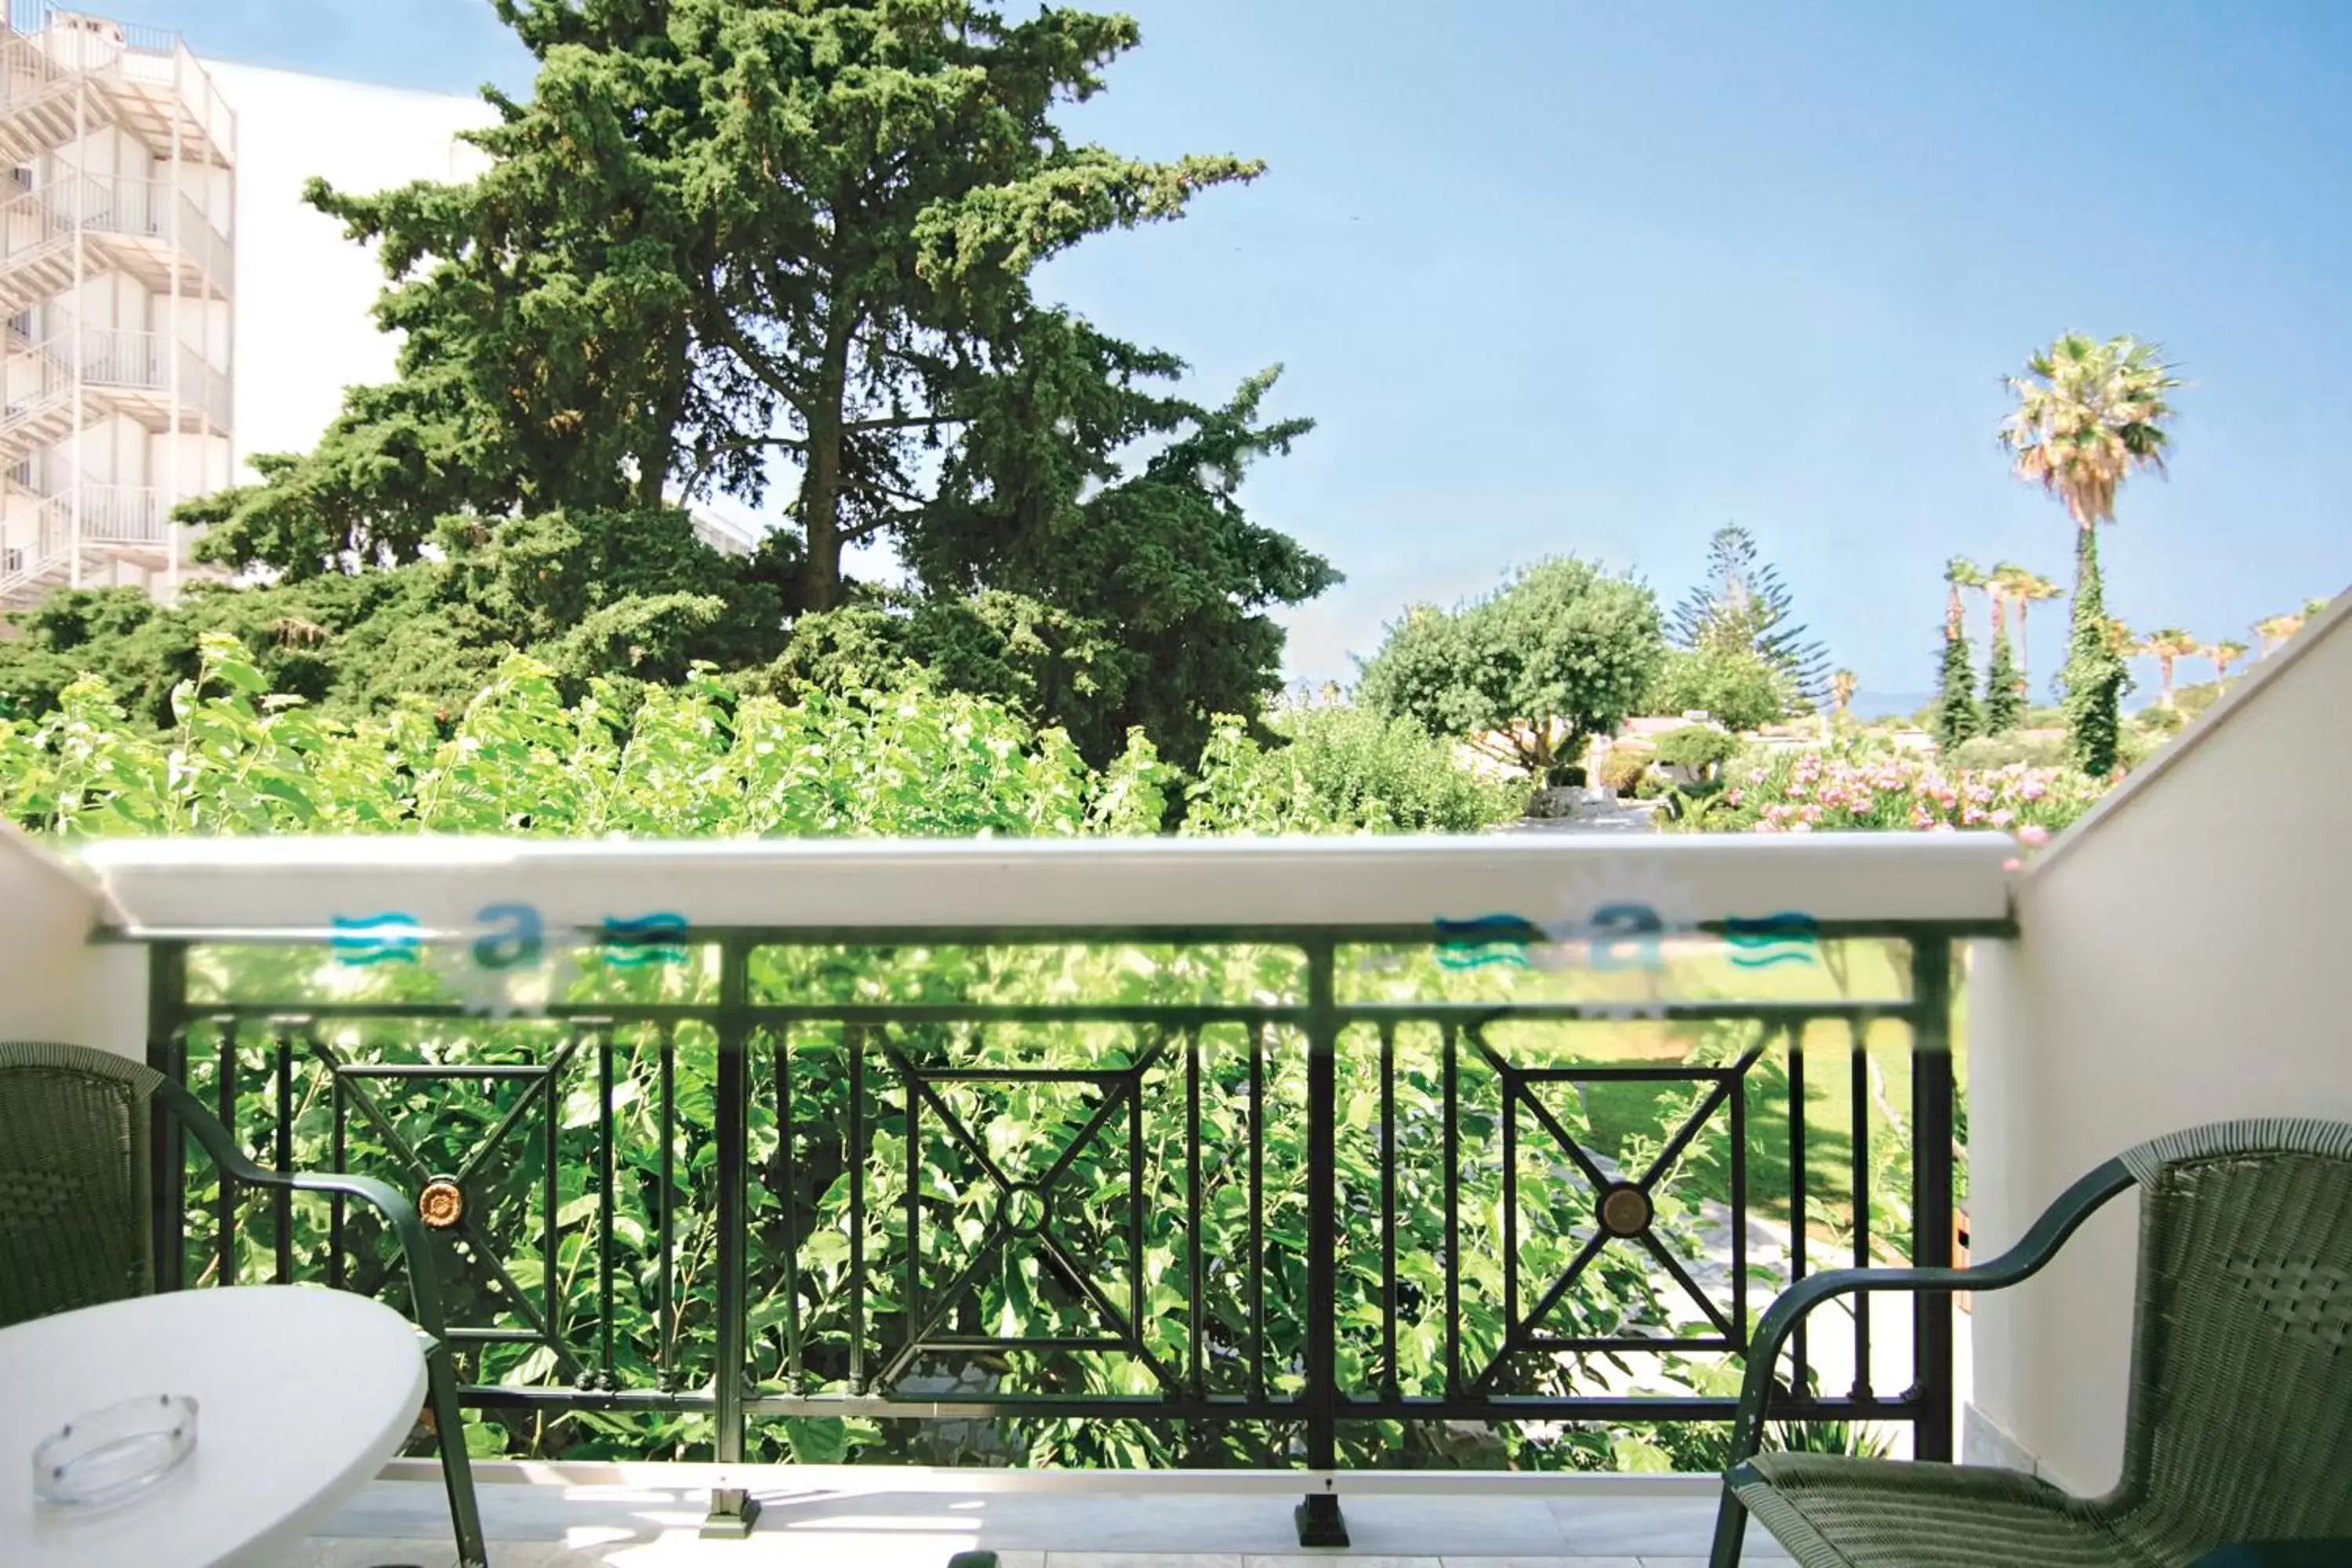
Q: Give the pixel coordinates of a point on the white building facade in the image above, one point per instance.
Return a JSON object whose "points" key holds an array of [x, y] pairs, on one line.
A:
{"points": [[172, 305], [116, 283]]}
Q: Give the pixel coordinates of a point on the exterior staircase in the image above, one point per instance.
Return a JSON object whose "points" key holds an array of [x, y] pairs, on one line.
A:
{"points": [[76, 92]]}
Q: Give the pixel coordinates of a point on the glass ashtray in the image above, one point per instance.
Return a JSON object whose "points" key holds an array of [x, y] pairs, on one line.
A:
{"points": [[115, 1453]]}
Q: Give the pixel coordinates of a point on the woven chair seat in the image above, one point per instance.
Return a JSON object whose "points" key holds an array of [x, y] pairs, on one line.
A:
{"points": [[1836, 1512]]}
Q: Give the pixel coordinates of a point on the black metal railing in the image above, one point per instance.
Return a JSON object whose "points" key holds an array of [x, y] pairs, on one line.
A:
{"points": [[1325, 1198]]}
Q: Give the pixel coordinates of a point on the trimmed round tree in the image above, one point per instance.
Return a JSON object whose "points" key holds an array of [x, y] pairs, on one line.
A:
{"points": [[1562, 651]]}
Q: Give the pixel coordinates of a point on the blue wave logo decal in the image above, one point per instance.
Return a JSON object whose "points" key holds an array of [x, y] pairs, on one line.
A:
{"points": [[647, 939], [387, 938], [1479, 943], [1788, 937]]}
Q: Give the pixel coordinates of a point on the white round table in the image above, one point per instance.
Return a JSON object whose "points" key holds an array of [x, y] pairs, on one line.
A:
{"points": [[301, 1396]]}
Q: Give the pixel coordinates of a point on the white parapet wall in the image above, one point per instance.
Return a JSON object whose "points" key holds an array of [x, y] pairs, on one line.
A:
{"points": [[2184, 955], [55, 983]]}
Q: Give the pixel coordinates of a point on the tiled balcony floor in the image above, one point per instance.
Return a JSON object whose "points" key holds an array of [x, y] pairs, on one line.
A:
{"points": [[1585, 1522]]}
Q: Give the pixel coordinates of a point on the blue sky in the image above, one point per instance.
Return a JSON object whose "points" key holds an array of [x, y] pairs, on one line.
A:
{"points": [[1598, 279]]}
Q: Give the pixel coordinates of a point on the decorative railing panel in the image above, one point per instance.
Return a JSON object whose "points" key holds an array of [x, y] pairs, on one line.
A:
{"points": [[1325, 1197]]}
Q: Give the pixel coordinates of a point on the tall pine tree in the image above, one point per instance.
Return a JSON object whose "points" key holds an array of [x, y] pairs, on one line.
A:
{"points": [[785, 248], [1742, 607], [1957, 718], [2004, 695]]}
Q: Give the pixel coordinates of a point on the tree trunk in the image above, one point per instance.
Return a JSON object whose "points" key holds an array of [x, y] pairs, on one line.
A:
{"points": [[821, 486], [821, 520], [2164, 680], [2024, 677]]}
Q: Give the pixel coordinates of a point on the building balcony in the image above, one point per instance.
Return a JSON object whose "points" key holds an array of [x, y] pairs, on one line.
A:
{"points": [[64, 73], [144, 228]]}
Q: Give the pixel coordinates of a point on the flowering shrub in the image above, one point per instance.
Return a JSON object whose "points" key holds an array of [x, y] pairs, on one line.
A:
{"points": [[1850, 787]]}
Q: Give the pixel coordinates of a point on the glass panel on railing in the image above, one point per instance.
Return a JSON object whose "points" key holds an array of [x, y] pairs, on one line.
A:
{"points": [[1628, 956]]}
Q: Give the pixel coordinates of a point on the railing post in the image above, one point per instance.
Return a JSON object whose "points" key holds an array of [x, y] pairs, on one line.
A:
{"points": [[1931, 1196], [1317, 1515], [167, 1167], [732, 1509]]}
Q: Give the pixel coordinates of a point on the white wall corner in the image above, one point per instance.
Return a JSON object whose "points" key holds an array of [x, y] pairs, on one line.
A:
{"points": [[2177, 960], [56, 982]]}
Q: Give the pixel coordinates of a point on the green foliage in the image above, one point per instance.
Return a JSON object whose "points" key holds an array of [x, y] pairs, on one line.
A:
{"points": [[1342, 769], [1627, 764], [2004, 697], [763, 249], [1987, 752], [1956, 718], [1742, 607], [2192, 701], [1560, 652], [633, 596], [2093, 678], [1734, 687], [686, 761], [1698, 747]]}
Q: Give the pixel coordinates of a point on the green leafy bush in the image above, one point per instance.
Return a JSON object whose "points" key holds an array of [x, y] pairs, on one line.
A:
{"points": [[1626, 765], [1697, 747], [1986, 753], [1737, 688], [1342, 770]]}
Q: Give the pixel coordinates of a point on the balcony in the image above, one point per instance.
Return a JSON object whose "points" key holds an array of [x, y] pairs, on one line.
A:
{"points": [[141, 376], [1110, 1197], [146, 229], [1164, 1155], [141, 77]]}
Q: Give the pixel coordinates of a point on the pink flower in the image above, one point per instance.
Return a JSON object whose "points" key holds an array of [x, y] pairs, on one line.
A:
{"points": [[1733, 797], [2002, 818], [2035, 833], [1801, 828], [1766, 827]]}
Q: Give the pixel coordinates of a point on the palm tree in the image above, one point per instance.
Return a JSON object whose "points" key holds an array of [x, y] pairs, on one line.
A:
{"points": [[1960, 573], [2028, 588], [2277, 630], [2087, 415], [2164, 647], [2223, 653], [1842, 685]]}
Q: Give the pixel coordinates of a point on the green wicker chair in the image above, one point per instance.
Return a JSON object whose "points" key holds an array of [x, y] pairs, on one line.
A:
{"points": [[2238, 1443], [73, 1194]]}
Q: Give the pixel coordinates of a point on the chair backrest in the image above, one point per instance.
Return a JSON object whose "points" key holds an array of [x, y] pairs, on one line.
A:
{"points": [[73, 1178], [2240, 1423]]}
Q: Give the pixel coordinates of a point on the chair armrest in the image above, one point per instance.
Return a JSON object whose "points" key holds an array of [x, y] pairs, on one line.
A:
{"points": [[423, 1279], [2035, 1248]]}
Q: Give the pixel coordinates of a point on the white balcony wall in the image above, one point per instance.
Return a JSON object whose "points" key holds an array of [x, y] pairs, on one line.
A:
{"points": [[55, 983], [304, 330], [2180, 959]]}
